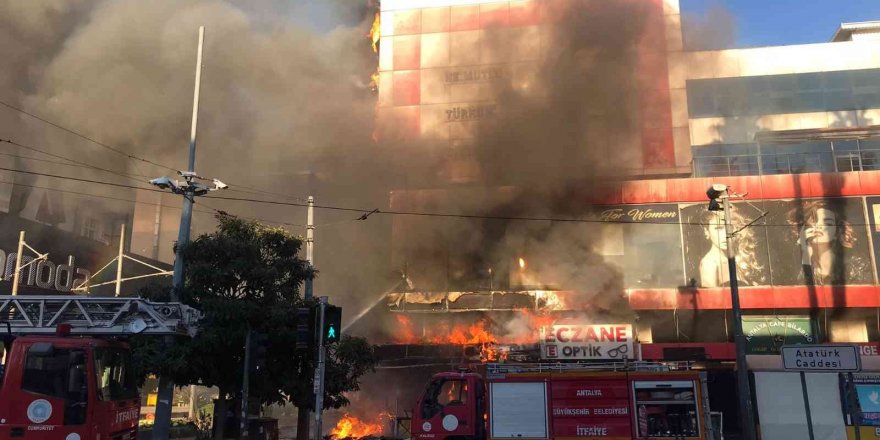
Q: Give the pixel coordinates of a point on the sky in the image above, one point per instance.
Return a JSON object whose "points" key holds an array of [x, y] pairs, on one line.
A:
{"points": [[782, 22]]}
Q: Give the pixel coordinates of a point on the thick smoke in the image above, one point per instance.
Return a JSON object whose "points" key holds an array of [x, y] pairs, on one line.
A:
{"points": [[284, 107], [562, 132], [713, 30]]}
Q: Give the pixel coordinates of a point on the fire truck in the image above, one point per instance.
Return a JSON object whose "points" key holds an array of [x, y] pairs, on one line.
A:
{"points": [[627, 400], [66, 373]]}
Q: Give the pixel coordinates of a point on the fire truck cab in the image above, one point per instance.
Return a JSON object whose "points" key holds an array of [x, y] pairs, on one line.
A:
{"points": [[64, 374], [68, 388], [564, 401]]}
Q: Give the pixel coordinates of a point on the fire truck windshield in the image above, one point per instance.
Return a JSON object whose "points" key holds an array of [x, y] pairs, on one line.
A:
{"points": [[114, 374]]}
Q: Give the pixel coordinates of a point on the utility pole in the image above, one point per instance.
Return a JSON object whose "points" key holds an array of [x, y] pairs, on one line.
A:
{"points": [[243, 425], [319, 371], [742, 370], [119, 258], [162, 427], [310, 246], [17, 273]]}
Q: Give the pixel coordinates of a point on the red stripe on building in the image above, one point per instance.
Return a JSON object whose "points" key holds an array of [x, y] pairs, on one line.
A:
{"points": [[768, 297], [784, 186]]}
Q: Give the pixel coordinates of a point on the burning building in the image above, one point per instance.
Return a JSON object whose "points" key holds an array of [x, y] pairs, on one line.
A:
{"points": [[566, 148]]}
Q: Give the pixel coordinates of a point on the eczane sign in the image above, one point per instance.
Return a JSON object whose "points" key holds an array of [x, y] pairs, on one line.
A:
{"points": [[587, 342], [821, 358]]}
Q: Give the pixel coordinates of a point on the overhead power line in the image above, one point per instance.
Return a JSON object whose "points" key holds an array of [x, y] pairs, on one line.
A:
{"points": [[127, 155], [396, 212]]}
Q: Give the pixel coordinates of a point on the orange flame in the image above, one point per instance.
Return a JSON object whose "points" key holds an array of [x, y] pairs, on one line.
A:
{"points": [[352, 427], [479, 333], [522, 264], [376, 33]]}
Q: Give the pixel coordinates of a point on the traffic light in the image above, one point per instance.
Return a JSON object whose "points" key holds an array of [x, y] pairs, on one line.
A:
{"points": [[259, 350], [305, 328], [332, 324]]}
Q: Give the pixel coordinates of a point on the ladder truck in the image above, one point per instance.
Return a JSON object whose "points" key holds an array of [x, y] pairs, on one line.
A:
{"points": [[66, 372]]}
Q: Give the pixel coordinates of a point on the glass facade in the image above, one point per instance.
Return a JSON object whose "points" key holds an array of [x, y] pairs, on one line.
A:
{"points": [[806, 157], [778, 94]]}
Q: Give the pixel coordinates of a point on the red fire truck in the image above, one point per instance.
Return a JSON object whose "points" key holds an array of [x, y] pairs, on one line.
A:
{"points": [[64, 376], [634, 400]]}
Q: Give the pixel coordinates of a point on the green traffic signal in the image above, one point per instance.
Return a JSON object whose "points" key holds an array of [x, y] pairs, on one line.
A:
{"points": [[332, 323]]}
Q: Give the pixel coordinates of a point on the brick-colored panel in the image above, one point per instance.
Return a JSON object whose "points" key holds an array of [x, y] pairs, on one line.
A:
{"points": [[524, 13], [396, 124], [407, 52], [556, 10], [494, 15], [465, 18], [435, 50], [408, 22], [869, 181], [768, 297], [386, 54], [658, 148], [434, 88], [407, 89], [435, 20], [464, 48], [644, 190], [782, 186], [687, 190]]}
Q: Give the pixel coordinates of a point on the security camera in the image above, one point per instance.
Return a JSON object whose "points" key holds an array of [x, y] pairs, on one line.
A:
{"points": [[220, 185], [716, 190], [163, 182]]}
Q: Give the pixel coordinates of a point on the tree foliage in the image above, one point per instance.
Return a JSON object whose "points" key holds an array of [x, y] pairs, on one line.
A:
{"points": [[247, 275]]}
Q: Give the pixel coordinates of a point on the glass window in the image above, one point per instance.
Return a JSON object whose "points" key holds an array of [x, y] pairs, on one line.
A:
{"points": [[453, 392], [59, 373], [793, 93], [442, 393], [114, 375]]}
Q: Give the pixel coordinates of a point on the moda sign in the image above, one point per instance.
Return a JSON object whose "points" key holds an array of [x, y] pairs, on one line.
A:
{"points": [[587, 342]]}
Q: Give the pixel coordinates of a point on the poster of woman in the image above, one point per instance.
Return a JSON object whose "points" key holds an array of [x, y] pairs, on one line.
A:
{"points": [[822, 242], [705, 242]]}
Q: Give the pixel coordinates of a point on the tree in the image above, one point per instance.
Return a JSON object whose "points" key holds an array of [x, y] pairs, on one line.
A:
{"points": [[248, 276]]}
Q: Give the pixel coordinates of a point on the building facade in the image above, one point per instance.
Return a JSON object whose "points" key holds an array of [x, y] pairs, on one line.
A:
{"points": [[795, 129]]}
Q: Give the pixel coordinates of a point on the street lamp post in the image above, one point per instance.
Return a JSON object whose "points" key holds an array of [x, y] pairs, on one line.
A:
{"points": [[189, 188], [721, 191]]}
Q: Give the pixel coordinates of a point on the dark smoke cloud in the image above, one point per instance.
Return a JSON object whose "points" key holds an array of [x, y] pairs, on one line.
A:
{"points": [[573, 125], [714, 30], [284, 107]]}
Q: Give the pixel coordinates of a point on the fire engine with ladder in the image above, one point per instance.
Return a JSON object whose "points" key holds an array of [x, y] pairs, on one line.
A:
{"points": [[566, 401], [66, 372]]}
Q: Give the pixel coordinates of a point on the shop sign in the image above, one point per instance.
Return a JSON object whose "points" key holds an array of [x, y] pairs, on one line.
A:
{"points": [[587, 342], [638, 214], [767, 334]]}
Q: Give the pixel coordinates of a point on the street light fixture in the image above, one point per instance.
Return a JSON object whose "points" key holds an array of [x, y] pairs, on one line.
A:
{"points": [[715, 193]]}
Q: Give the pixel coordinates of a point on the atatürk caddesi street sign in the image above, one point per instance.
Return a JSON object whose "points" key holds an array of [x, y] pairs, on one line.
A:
{"points": [[815, 358]]}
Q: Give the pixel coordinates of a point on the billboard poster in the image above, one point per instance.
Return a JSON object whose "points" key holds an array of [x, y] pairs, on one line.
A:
{"points": [[873, 210], [640, 239], [767, 334], [705, 247], [587, 342], [818, 242], [866, 390]]}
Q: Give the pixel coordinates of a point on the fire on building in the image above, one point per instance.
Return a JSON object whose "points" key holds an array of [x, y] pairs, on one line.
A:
{"points": [[566, 147]]}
